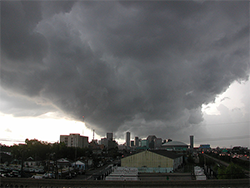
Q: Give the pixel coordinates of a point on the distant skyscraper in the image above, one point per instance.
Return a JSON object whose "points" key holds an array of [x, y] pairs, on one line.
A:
{"points": [[132, 143], [136, 141], [144, 143], [191, 141], [104, 141], [169, 140], [110, 136], [151, 139], [128, 139], [158, 143]]}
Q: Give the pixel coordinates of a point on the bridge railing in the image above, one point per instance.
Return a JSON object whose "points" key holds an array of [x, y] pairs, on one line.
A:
{"points": [[52, 183]]}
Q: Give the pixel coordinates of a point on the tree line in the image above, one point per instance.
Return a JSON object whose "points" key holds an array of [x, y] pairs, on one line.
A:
{"points": [[40, 150]]}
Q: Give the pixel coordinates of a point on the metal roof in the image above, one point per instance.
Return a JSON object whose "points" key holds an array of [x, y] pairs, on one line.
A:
{"points": [[175, 144], [166, 153]]}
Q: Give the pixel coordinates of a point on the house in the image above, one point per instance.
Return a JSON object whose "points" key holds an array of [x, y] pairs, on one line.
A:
{"points": [[80, 166], [63, 163], [160, 161], [30, 162]]}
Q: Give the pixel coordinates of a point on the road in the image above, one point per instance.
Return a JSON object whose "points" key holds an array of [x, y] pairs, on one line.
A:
{"points": [[225, 163], [89, 173]]}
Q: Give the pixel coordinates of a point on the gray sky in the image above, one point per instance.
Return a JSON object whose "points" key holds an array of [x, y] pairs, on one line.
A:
{"points": [[143, 67]]}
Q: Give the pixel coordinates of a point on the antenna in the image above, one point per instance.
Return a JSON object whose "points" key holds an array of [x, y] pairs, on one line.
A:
{"points": [[93, 134]]}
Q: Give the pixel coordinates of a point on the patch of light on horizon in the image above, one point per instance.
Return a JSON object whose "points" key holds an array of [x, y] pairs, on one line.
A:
{"points": [[231, 98], [47, 127]]}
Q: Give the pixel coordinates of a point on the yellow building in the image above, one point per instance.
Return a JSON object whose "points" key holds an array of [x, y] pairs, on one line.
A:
{"points": [[153, 161]]}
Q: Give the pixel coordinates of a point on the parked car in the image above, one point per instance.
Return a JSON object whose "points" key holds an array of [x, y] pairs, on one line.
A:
{"points": [[2, 175], [48, 176], [31, 170], [14, 173], [37, 176]]}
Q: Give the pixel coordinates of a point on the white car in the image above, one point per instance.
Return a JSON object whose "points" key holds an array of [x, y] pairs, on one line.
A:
{"points": [[38, 176], [48, 175]]}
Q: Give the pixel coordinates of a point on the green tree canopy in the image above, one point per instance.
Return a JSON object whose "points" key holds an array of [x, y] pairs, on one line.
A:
{"points": [[233, 171], [40, 150]]}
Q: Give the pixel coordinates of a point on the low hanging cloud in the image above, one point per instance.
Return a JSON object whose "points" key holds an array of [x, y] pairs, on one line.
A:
{"points": [[146, 67]]}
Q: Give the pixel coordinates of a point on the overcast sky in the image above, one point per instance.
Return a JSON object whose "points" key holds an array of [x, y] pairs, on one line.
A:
{"points": [[144, 67]]}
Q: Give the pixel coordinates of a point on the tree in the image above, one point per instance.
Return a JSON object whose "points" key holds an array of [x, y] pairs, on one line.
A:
{"points": [[233, 171], [37, 149], [190, 159]]}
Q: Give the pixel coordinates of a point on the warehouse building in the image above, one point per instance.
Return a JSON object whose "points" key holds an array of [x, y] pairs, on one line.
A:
{"points": [[153, 161]]}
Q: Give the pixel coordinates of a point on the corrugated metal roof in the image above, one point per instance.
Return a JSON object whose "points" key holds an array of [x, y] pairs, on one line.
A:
{"points": [[166, 153]]}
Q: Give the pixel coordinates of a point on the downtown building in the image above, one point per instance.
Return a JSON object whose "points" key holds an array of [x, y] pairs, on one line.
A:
{"points": [[109, 142], [128, 139], [136, 141], [75, 140], [110, 136]]}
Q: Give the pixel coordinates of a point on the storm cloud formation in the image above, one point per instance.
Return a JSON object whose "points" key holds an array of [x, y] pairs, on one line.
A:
{"points": [[146, 67]]}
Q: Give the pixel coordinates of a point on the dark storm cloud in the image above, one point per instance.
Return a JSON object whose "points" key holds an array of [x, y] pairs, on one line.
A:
{"points": [[23, 106], [140, 66]]}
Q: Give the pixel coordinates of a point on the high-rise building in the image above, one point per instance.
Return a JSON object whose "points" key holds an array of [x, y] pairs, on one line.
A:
{"points": [[136, 141], [132, 143], [191, 141], [128, 139], [144, 143], [157, 143], [110, 136], [151, 142], [104, 141], [75, 140]]}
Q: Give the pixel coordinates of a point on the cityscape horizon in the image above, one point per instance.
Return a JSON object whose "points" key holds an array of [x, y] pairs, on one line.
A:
{"points": [[124, 142]]}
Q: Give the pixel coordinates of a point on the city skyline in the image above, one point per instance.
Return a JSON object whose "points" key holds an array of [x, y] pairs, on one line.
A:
{"points": [[171, 69], [137, 141]]}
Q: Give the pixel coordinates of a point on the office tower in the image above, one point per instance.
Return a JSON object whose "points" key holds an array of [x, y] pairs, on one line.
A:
{"points": [[110, 136], [158, 143], [144, 143], [128, 139], [151, 142], [191, 141], [132, 143], [136, 141], [104, 141]]}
